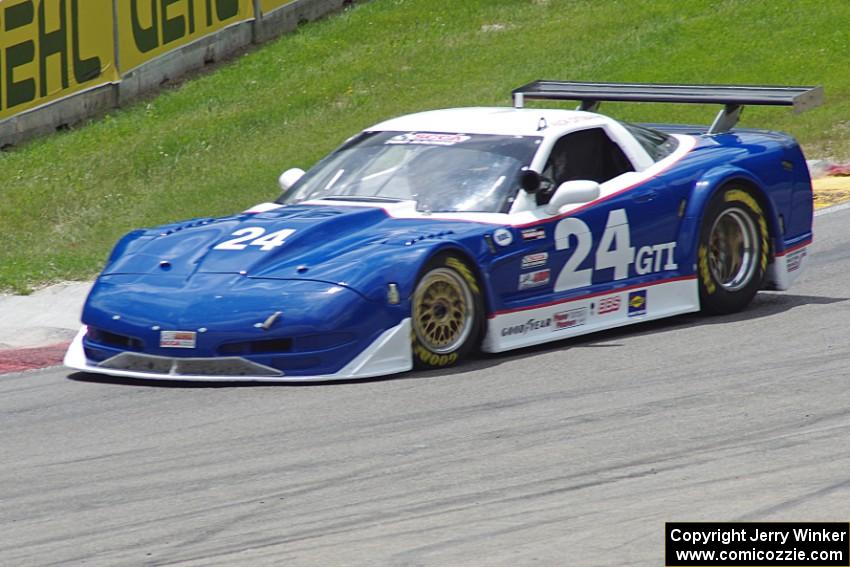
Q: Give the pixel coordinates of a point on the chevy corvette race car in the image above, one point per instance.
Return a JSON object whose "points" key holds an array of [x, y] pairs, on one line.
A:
{"points": [[431, 235]]}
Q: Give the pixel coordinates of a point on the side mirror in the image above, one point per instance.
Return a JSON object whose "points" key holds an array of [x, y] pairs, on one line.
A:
{"points": [[570, 192], [289, 177], [530, 181]]}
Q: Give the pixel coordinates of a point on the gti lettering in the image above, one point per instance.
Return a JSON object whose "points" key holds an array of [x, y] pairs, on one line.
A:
{"points": [[18, 87], [160, 22], [649, 258]]}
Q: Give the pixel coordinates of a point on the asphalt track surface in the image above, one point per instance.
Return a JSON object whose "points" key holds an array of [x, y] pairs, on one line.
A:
{"points": [[574, 453]]}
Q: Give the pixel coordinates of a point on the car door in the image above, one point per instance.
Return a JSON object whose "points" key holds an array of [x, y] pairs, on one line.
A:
{"points": [[604, 250]]}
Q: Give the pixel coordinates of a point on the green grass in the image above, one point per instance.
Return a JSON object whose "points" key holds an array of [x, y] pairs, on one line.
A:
{"points": [[217, 143]]}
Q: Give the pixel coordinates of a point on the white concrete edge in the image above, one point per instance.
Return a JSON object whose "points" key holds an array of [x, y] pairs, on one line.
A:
{"points": [[832, 209], [69, 96]]}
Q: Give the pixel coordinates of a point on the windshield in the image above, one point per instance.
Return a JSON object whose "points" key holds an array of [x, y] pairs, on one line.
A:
{"points": [[441, 172]]}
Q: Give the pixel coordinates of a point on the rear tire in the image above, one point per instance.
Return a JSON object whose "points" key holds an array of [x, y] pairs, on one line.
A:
{"points": [[733, 251], [447, 313]]}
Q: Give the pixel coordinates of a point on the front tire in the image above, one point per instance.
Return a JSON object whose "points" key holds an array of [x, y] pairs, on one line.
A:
{"points": [[446, 313], [733, 251]]}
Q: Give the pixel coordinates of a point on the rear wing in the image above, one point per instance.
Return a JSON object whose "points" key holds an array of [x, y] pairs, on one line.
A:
{"points": [[732, 97]]}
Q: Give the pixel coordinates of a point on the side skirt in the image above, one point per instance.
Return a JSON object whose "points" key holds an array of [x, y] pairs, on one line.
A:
{"points": [[590, 313]]}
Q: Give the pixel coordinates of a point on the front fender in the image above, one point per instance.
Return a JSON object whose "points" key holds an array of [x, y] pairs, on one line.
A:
{"points": [[411, 263], [123, 245], [369, 272]]}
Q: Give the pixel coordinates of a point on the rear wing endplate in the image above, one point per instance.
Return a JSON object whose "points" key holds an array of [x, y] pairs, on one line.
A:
{"points": [[732, 97]]}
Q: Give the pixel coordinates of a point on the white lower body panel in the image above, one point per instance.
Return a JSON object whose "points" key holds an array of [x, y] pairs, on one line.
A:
{"points": [[390, 353], [596, 312], [787, 267]]}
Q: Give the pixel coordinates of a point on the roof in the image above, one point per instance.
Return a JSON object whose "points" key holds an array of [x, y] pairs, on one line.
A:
{"points": [[493, 120]]}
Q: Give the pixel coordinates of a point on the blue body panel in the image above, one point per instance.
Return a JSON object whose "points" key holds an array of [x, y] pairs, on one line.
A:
{"points": [[328, 272]]}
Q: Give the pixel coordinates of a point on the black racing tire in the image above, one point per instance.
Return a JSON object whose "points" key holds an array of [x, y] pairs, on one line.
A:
{"points": [[734, 245], [447, 313]]}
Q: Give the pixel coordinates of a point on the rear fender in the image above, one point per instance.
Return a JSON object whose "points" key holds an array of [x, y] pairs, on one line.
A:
{"points": [[705, 188]]}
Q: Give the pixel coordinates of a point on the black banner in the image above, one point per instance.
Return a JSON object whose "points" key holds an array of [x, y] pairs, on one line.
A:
{"points": [[757, 544]]}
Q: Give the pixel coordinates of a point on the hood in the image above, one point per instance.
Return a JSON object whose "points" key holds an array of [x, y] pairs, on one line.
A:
{"points": [[335, 244]]}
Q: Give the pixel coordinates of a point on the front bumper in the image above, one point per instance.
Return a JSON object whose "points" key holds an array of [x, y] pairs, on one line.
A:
{"points": [[318, 328], [389, 353]]}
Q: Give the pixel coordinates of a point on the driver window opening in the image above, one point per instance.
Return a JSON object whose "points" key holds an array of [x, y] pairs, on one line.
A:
{"points": [[586, 155]]}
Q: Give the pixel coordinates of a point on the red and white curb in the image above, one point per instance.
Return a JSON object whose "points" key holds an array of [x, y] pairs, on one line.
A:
{"points": [[21, 359]]}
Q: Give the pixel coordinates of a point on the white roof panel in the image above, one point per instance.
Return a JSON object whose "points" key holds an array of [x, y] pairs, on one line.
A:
{"points": [[494, 120]]}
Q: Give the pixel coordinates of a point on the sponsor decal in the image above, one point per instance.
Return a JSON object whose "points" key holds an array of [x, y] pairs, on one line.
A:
{"points": [[533, 234], [50, 50], [269, 5], [433, 358], [177, 339], [147, 30], [609, 304], [503, 236], [534, 279], [535, 260], [637, 303], [571, 120], [428, 139], [571, 318], [527, 327], [795, 260]]}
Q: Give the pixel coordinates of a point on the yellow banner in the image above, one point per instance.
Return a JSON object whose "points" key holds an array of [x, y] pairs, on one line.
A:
{"points": [[150, 28], [268, 5], [52, 48]]}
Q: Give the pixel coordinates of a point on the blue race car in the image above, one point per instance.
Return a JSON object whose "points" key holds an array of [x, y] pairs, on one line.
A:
{"points": [[432, 235]]}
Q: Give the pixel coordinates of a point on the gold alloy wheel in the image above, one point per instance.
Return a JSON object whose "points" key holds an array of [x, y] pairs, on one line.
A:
{"points": [[443, 310], [733, 249]]}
